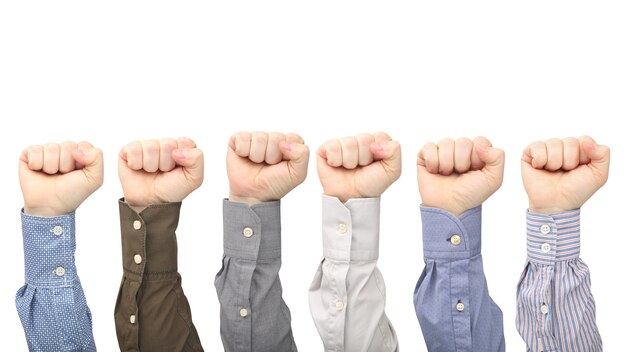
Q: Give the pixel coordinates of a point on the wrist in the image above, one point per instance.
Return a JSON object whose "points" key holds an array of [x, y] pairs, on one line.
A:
{"points": [[545, 209], [456, 211], [46, 212], [245, 200]]}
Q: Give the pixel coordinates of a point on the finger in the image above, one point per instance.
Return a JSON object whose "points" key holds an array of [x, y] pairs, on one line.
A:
{"points": [[192, 160], [185, 143], [297, 156], [82, 145], [365, 154], [51, 153], [33, 157], [240, 142], [446, 156], [381, 137], [258, 146], [584, 158], [463, 155], [331, 152], [571, 153], [93, 161], [349, 152], [536, 155], [66, 160], [554, 148], [132, 153], [166, 147], [428, 157], [272, 152], [492, 158], [150, 155], [599, 155]]}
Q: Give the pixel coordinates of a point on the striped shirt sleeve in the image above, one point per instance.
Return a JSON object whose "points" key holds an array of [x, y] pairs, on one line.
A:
{"points": [[555, 308]]}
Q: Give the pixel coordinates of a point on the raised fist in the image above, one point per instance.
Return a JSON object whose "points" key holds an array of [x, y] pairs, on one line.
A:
{"points": [[459, 175], [265, 166], [561, 175], [57, 178], [362, 166], [160, 171]]}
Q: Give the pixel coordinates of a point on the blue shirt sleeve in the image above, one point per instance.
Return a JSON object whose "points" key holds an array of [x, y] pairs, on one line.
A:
{"points": [[51, 305], [451, 298]]}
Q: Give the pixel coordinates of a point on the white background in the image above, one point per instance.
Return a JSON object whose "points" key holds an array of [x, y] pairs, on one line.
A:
{"points": [[115, 71]]}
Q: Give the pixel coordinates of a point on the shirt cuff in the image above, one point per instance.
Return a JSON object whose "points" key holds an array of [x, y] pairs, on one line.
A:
{"points": [[553, 237], [252, 232], [149, 246], [351, 230], [446, 236], [49, 246]]}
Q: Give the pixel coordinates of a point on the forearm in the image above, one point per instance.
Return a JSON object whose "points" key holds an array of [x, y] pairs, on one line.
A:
{"points": [[347, 295], [253, 313], [451, 298], [52, 292]]}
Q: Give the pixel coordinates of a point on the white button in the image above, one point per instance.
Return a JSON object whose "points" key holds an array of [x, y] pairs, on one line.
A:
{"points": [[544, 309], [545, 229], [339, 305], [132, 318], [342, 228], [57, 230], [455, 240], [545, 248], [137, 259], [136, 224], [248, 232], [243, 312], [460, 306], [59, 271]]}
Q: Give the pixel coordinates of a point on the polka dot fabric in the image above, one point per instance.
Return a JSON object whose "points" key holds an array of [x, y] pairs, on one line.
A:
{"points": [[52, 305]]}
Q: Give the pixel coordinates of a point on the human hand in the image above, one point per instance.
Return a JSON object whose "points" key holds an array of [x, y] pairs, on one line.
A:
{"points": [[160, 171], [265, 166], [561, 175], [459, 175], [57, 178], [362, 166]]}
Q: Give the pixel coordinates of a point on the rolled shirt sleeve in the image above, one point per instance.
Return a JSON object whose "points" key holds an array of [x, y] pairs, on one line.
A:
{"points": [[253, 314], [52, 305], [451, 298], [347, 295], [555, 308], [152, 312]]}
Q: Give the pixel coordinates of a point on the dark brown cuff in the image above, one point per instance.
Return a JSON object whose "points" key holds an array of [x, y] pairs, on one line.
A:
{"points": [[149, 249]]}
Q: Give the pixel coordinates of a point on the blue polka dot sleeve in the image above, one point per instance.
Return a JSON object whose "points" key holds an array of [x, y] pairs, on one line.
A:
{"points": [[51, 304]]}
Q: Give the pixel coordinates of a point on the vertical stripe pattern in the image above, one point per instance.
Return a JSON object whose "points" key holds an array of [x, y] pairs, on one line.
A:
{"points": [[555, 308]]}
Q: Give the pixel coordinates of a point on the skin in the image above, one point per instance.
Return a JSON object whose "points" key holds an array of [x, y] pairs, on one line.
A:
{"points": [[562, 174], [264, 166], [361, 166], [57, 178], [160, 171], [458, 175]]}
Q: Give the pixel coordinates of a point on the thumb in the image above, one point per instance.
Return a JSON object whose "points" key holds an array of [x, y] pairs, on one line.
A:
{"points": [[389, 154], [192, 160], [92, 163], [493, 158], [599, 158], [297, 156]]}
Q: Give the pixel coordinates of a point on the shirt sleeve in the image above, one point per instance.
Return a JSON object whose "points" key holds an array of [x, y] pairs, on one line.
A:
{"points": [[451, 298], [555, 308], [347, 295], [52, 305], [253, 314], [152, 312]]}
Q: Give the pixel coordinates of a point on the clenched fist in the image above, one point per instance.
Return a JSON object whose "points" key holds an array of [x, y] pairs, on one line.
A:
{"points": [[57, 178], [459, 175], [160, 171], [561, 175], [362, 166], [265, 166]]}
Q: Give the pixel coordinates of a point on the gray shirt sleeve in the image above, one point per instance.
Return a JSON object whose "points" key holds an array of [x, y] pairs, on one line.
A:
{"points": [[347, 295], [254, 316]]}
